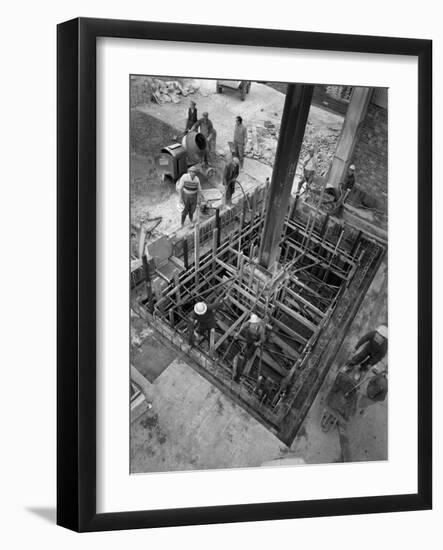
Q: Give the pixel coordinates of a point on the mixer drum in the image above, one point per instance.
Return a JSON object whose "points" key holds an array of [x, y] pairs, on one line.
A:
{"points": [[195, 144]]}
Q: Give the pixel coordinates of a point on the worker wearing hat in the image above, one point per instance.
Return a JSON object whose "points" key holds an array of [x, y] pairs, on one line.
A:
{"points": [[189, 191], [230, 175], [203, 318], [372, 347], [255, 335], [349, 180], [192, 116], [205, 127], [240, 139]]}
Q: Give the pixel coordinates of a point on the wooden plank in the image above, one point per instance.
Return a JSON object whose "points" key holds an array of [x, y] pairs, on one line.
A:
{"points": [[293, 354], [242, 306], [273, 364], [290, 332], [336, 270], [230, 330], [249, 364], [299, 298], [295, 315]]}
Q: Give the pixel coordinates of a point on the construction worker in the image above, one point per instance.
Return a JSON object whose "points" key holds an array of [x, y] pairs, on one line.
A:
{"points": [[230, 175], [349, 180], [205, 127], [372, 347], [203, 318], [309, 170], [192, 116], [240, 139], [255, 335], [189, 190]]}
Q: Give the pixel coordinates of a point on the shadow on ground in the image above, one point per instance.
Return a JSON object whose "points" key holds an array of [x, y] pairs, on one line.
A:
{"points": [[48, 514]]}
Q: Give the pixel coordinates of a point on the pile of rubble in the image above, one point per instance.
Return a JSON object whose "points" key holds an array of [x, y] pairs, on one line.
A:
{"points": [[263, 138], [170, 90], [145, 89], [262, 142]]}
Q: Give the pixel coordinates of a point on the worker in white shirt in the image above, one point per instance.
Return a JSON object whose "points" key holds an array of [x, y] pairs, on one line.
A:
{"points": [[189, 190]]}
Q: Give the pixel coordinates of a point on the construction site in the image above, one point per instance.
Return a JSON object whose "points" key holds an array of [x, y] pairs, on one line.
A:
{"points": [[285, 255]]}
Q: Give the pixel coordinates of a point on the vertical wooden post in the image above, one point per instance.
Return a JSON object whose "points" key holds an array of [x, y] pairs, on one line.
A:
{"points": [[214, 248], [245, 206], [147, 278], [253, 205], [218, 226], [177, 288], [252, 264], [240, 228], [285, 257], [171, 318], [241, 264], [356, 243], [324, 226], [196, 251], [211, 341], [185, 253]]}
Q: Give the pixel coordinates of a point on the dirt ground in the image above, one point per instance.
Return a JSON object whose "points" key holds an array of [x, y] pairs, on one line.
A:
{"points": [[154, 126]]}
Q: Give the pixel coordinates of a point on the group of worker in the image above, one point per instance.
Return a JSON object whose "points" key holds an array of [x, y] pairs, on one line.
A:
{"points": [[188, 186], [205, 126], [370, 349], [203, 320]]}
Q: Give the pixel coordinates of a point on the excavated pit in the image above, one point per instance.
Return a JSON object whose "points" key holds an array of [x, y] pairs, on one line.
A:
{"points": [[307, 300]]}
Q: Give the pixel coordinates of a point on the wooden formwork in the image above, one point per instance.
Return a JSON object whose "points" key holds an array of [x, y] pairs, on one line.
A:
{"points": [[318, 265]]}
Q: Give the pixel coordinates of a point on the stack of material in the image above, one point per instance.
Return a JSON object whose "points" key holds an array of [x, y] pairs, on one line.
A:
{"points": [[170, 90], [145, 89], [324, 143], [262, 144]]}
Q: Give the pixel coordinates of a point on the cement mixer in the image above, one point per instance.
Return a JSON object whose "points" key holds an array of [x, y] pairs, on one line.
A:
{"points": [[175, 159]]}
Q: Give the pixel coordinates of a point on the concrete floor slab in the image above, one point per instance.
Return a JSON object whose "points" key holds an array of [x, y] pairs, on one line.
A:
{"points": [[148, 354], [194, 426]]}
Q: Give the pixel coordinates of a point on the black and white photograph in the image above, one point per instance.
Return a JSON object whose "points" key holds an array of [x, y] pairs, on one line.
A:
{"points": [[258, 273]]}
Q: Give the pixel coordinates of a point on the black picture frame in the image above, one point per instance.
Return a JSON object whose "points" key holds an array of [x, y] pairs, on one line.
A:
{"points": [[76, 264]]}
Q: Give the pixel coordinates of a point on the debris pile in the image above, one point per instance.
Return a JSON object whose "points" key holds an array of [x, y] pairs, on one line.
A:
{"points": [[324, 142], [146, 89], [263, 138], [262, 142]]}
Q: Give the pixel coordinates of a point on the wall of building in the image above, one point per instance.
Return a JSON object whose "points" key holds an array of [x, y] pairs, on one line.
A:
{"points": [[371, 156]]}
